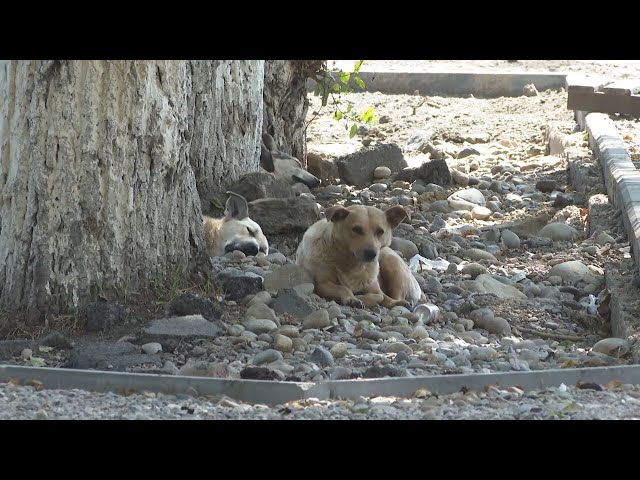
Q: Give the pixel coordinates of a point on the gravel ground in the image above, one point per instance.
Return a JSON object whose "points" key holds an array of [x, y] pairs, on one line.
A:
{"points": [[614, 402]]}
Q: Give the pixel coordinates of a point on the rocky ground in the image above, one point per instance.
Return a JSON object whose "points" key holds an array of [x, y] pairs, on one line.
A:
{"points": [[499, 239]]}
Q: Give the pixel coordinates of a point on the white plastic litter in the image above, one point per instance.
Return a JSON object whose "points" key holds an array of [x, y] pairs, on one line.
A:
{"points": [[418, 263], [589, 303]]}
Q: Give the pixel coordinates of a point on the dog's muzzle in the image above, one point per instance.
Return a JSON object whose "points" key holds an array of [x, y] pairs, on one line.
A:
{"points": [[369, 255], [307, 178], [248, 248]]}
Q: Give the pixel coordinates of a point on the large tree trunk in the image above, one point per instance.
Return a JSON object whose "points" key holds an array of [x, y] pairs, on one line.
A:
{"points": [[285, 103], [226, 114], [97, 190]]}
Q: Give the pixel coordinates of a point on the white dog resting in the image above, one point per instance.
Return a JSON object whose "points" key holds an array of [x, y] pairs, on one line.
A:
{"points": [[235, 231]]}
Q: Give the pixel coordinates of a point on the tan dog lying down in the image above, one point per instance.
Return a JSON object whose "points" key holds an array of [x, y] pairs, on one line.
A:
{"points": [[235, 231], [349, 258]]}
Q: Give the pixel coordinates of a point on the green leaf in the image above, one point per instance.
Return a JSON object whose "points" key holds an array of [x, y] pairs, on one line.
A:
{"points": [[344, 77], [357, 65], [216, 203], [353, 131], [349, 107], [368, 115], [37, 361], [571, 407], [338, 115], [359, 82]]}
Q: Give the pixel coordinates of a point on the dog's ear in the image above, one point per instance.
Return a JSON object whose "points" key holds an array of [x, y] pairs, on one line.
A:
{"points": [[266, 159], [395, 215], [336, 213], [236, 207], [269, 142]]}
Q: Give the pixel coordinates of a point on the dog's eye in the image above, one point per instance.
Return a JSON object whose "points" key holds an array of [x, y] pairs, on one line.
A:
{"points": [[379, 232], [251, 232], [358, 229]]}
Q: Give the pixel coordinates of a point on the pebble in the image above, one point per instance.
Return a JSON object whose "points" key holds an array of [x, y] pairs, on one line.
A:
{"points": [[382, 172], [397, 347], [339, 350], [282, 343], [259, 325], [510, 239], [317, 319], [322, 357], [267, 356]]}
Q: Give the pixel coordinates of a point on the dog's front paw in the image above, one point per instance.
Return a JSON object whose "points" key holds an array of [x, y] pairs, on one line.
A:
{"points": [[352, 302], [390, 303], [401, 303]]}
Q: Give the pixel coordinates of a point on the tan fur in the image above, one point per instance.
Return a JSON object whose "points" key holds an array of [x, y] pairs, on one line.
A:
{"points": [[336, 257], [235, 229]]}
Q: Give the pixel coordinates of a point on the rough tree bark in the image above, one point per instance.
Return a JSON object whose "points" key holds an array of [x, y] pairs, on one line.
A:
{"points": [[97, 187], [286, 104], [226, 113]]}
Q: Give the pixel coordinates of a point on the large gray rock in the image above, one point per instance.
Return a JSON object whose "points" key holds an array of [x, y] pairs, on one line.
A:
{"points": [[255, 185], [191, 304], [323, 168], [168, 332], [476, 254], [560, 232], [572, 272], [357, 168], [260, 310], [510, 239], [434, 171], [615, 347], [237, 284], [284, 215], [289, 301], [109, 356]]}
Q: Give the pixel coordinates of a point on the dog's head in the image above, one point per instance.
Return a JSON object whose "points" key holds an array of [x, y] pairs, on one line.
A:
{"points": [[364, 230], [283, 165], [238, 231]]}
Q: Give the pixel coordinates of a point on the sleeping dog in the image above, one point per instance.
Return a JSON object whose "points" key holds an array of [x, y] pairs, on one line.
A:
{"points": [[283, 165], [235, 231]]}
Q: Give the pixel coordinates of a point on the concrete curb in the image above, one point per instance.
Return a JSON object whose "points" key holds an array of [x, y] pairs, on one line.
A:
{"points": [[253, 391], [622, 182], [274, 393], [621, 177], [486, 85], [445, 384]]}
